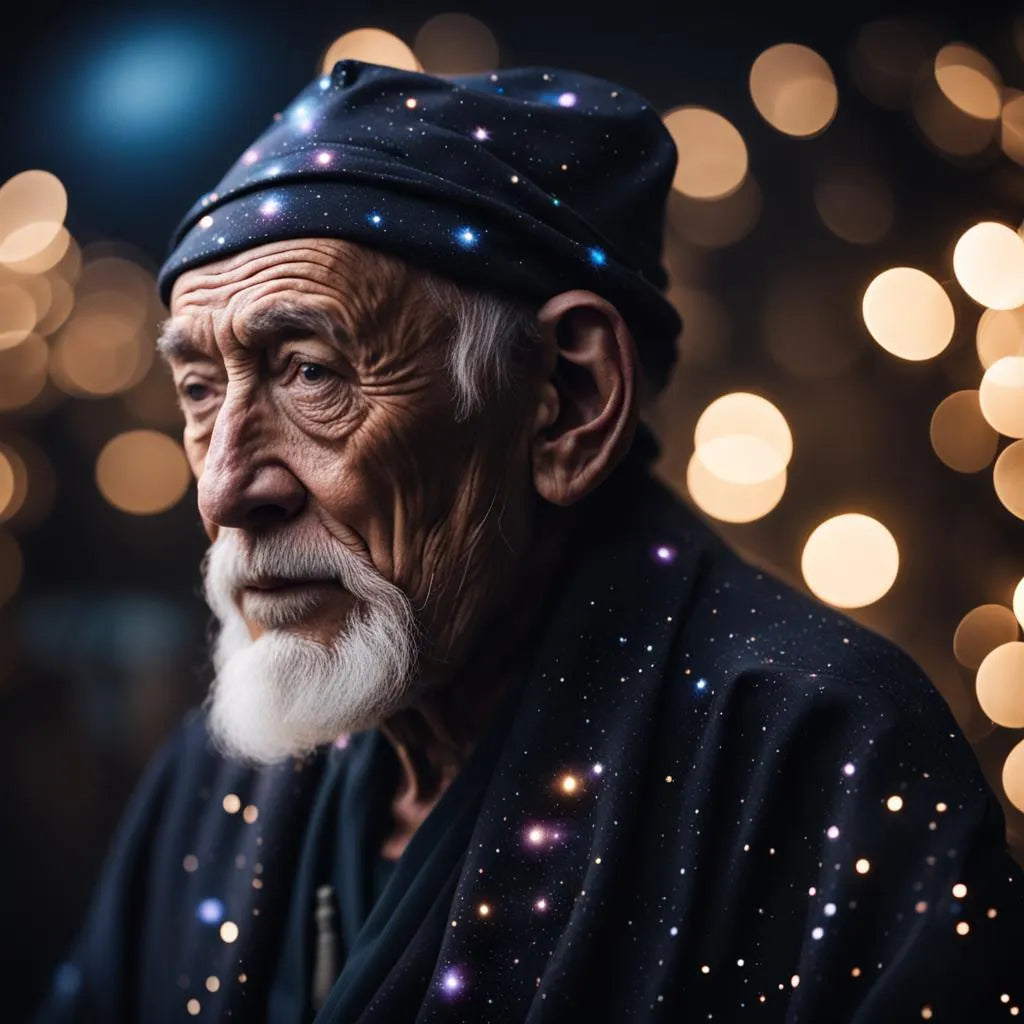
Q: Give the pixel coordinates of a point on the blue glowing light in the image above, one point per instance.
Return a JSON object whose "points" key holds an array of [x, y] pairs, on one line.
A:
{"points": [[375, 218], [466, 237], [152, 80], [210, 911], [598, 257], [702, 685], [325, 82]]}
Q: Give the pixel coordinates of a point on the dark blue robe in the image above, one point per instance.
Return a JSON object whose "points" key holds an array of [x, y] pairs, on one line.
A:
{"points": [[727, 852]]}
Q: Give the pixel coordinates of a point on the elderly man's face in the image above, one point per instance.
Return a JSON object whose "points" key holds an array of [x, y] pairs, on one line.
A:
{"points": [[358, 529]]}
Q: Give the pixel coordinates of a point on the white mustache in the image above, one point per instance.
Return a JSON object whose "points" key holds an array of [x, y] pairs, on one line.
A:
{"points": [[233, 566]]}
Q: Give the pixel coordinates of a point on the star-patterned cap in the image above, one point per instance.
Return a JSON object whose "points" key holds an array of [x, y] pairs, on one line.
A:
{"points": [[530, 182]]}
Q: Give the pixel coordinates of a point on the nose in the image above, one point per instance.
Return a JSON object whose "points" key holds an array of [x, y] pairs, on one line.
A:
{"points": [[244, 483]]}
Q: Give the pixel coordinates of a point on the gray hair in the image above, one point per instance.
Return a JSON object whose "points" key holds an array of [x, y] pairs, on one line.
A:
{"points": [[492, 335]]}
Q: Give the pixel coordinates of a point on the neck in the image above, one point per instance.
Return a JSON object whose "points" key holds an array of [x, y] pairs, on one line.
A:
{"points": [[437, 732]]}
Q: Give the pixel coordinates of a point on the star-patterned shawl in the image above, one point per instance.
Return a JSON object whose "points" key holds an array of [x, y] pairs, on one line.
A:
{"points": [[712, 799]]}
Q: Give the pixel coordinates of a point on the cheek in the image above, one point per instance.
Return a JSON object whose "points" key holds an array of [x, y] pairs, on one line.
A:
{"points": [[195, 452]]}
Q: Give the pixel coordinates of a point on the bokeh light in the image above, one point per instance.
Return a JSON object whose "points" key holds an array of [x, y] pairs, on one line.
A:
{"points": [[712, 154], [988, 261], [1018, 602], [743, 438], [13, 482], [793, 89], [1008, 478], [856, 205], [100, 350], [1013, 776], [981, 631], [960, 435], [33, 205], [1000, 685], [18, 314], [969, 80], [1002, 395], [142, 472], [29, 498], [1000, 333], [1011, 126], [455, 44], [850, 560], [908, 313], [11, 566], [22, 372], [949, 128], [732, 502], [8, 481], [372, 45], [51, 257]]}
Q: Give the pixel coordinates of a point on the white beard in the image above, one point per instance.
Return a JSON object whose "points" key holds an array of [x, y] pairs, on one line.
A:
{"points": [[282, 694]]}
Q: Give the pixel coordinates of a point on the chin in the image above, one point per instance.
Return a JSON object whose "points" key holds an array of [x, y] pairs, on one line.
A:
{"points": [[297, 665]]}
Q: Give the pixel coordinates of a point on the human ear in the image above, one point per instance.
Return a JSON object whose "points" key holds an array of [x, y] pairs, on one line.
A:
{"points": [[587, 408]]}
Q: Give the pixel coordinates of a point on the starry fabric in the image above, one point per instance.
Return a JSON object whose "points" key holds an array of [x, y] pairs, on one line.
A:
{"points": [[731, 846], [531, 181]]}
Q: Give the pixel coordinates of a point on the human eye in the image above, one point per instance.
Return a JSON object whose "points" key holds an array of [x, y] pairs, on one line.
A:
{"points": [[313, 373], [195, 393]]}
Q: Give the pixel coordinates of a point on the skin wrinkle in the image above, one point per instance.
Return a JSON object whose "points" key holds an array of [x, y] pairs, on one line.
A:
{"points": [[404, 484]]}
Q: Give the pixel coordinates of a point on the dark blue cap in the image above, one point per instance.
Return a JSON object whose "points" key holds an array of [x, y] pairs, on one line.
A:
{"points": [[528, 182]]}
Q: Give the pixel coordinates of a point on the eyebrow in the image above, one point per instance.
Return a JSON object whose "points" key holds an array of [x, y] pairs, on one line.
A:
{"points": [[283, 322]]}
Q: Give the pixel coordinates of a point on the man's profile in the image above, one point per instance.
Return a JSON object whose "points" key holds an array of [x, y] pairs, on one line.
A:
{"points": [[499, 730]]}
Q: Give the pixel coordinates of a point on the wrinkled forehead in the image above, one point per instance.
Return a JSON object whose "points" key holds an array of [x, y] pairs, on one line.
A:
{"points": [[298, 284]]}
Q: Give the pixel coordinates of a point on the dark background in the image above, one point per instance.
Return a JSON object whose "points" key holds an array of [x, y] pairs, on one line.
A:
{"points": [[102, 644]]}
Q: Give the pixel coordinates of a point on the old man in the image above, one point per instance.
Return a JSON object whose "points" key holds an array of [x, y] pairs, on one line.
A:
{"points": [[498, 731]]}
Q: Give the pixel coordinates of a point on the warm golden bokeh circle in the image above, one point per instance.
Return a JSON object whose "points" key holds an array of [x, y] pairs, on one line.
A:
{"points": [[908, 313], [1000, 333], [981, 631], [793, 89], [1008, 478], [850, 560], [969, 80], [13, 482], [712, 154], [741, 459], [732, 502], [33, 205], [33, 483], [1011, 127], [372, 45], [8, 481], [101, 350], [988, 261], [142, 472], [743, 414], [22, 372], [1002, 395], [18, 313], [1000, 685], [1013, 776], [455, 44], [960, 435], [1018, 602]]}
